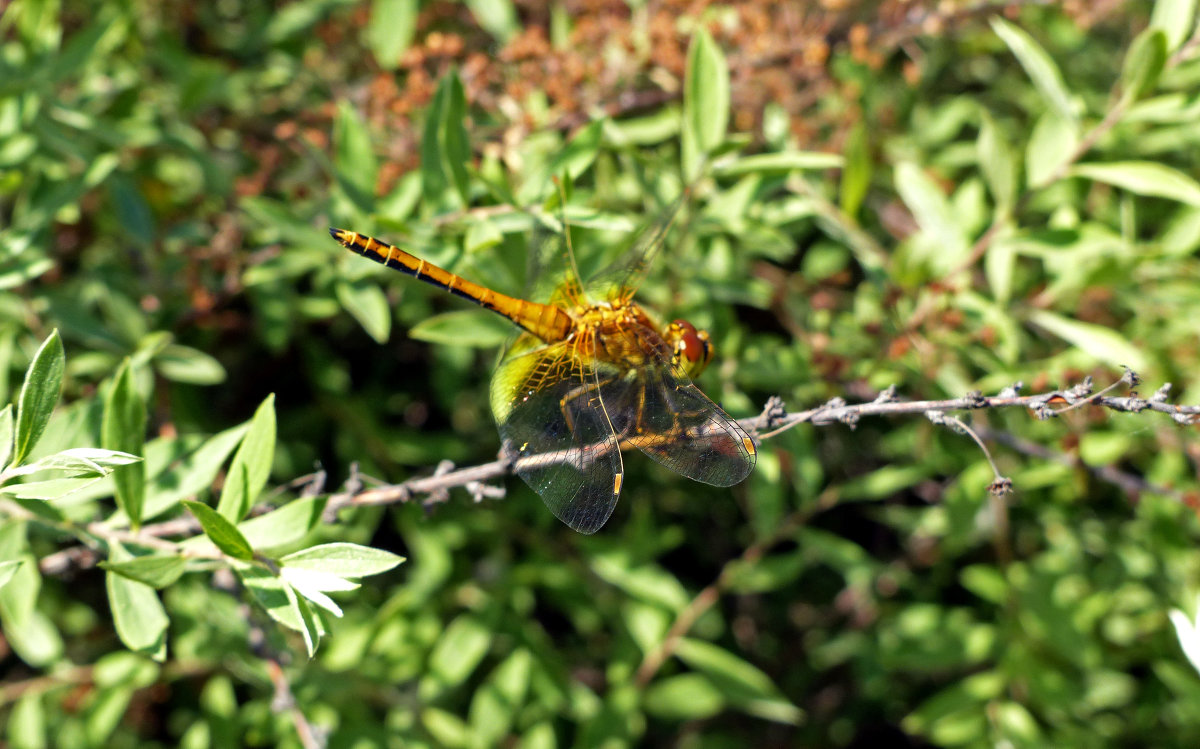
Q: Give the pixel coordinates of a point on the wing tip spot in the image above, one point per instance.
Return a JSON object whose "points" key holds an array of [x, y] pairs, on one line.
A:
{"points": [[617, 479], [749, 445]]}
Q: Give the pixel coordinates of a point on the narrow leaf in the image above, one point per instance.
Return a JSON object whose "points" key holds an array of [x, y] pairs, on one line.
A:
{"points": [[856, 175], [8, 569], [281, 603], [188, 365], [1176, 18], [343, 559], [1144, 178], [194, 472], [286, 525], [124, 428], [367, 303], [251, 464], [354, 157], [474, 328], [997, 163], [579, 153], [1104, 345], [6, 435], [390, 32], [1038, 66], [705, 101], [743, 684], [49, 489], [1051, 144], [224, 535], [138, 615], [39, 395], [157, 571], [931, 210], [780, 163], [445, 152], [1144, 63], [683, 697]]}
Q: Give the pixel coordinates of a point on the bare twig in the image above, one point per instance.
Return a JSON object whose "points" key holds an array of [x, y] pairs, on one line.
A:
{"points": [[479, 480]]}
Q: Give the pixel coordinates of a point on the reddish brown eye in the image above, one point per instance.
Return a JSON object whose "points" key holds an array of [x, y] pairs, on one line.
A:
{"points": [[690, 347]]}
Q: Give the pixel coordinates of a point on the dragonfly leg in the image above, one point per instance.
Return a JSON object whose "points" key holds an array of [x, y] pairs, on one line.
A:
{"points": [[573, 395]]}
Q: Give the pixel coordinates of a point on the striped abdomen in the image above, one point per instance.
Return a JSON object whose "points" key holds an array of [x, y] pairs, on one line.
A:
{"points": [[548, 322]]}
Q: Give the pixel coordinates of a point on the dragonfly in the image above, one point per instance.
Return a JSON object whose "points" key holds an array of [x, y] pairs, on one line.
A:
{"points": [[591, 373]]}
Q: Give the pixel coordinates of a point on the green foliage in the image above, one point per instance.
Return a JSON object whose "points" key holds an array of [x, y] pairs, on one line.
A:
{"points": [[1018, 203]]}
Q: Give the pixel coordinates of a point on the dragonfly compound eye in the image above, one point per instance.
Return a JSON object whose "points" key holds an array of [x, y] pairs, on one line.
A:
{"points": [[690, 348]]}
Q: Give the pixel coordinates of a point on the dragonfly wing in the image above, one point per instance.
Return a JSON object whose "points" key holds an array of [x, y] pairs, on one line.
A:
{"points": [[547, 403], [625, 274], [657, 409]]}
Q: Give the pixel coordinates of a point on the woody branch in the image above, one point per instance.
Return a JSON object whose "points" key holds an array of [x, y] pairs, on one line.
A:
{"points": [[773, 420]]}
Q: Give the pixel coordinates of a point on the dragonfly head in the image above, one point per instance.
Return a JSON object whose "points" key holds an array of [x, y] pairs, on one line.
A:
{"points": [[691, 350]]}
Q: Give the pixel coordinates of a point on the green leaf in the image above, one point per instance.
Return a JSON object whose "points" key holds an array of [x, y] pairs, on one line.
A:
{"points": [[740, 682], [124, 429], [343, 559], [999, 265], [368, 304], [997, 163], [780, 163], [27, 727], [1038, 66], [138, 615], [192, 473], [157, 571], [8, 569], [497, 17], [1143, 178], [251, 464], [481, 234], [474, 328], [1105, 346], [932, 212], [445, 151], [281, 603], [224, 535], [649, 583], [354, 158], [497, 701], [1144, 63], [6, 435], [856, 175], [390, 32], [1176, 18], [705, 101], [683, 697], [459, 650], [446, 728], [49, 489], [579, 153], [285, 525], [187, 365], [39, 395], [1051, 145]]}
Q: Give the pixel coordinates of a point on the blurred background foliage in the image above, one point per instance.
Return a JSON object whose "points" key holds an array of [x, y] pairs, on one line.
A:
{"points": [[1016, 201]]}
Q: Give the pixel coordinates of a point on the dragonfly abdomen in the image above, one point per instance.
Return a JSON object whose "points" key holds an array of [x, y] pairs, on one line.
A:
{"points": [[546, 321]]}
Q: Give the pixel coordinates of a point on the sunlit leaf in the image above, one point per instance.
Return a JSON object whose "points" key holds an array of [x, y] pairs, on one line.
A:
{"points": [[1143, 178], [705, 100], [224, 535], [39, 395], [124, 429], [1038, 65]]}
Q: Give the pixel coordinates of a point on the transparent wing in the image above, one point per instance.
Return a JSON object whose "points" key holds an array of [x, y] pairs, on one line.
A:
{"points": [[550, 270], [625, 274], [547, 403], [658, 410]]}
